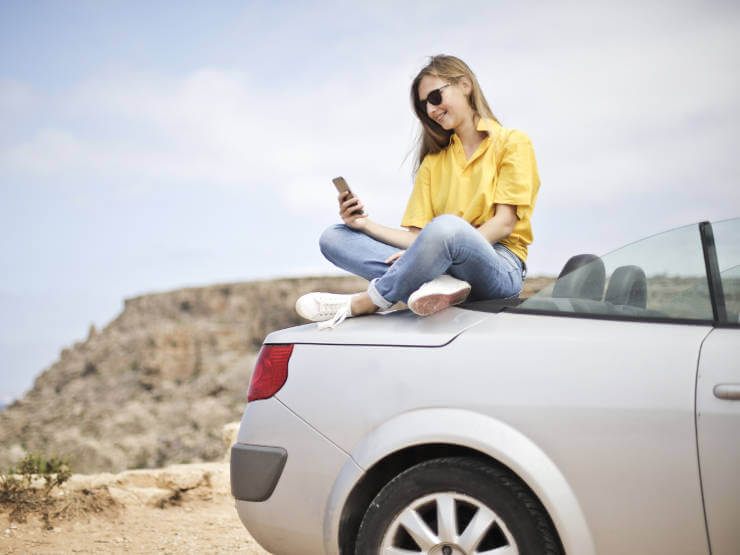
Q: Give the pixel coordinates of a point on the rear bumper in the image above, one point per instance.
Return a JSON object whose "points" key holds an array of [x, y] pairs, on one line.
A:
{"points": [[255, 471], [291, 518]]}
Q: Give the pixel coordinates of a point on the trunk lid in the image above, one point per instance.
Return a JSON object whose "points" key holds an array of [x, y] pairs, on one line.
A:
{"points": [[397, 328]]}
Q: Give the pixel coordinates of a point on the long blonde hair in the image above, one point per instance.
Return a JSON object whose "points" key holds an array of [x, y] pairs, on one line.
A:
{"points": [[433, 137]]}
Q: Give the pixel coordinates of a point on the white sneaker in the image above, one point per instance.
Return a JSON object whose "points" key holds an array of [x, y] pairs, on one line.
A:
{"points": [[328, 309], [438, 294]]}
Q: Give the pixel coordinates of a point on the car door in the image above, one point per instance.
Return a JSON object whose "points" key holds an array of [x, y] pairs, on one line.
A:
{"points": [[718, 429], [689, 275]]}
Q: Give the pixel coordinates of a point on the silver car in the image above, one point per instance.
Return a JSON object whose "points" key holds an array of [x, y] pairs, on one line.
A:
{"points": [[601, 415]]}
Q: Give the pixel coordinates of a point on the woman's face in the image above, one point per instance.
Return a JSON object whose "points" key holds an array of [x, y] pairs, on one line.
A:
{"points": [[454, 110]]}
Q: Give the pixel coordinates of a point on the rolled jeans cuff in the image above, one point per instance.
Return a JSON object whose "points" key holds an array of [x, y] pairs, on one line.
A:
{"points": [[376, 297]]}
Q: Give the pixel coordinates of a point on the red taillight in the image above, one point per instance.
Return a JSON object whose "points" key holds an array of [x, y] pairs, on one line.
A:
{"points": [[270, 372]]}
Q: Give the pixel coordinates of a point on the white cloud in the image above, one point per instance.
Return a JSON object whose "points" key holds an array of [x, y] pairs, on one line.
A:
{"points": [[15, 96], [615, 105], [211, 127], [51, 151]]}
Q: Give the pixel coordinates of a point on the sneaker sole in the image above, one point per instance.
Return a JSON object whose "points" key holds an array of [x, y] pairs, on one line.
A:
{"points": [[429, 304]]}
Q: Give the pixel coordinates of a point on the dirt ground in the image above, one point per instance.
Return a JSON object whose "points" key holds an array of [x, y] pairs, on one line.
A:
{"points": [[197, 526], [178, 509]]}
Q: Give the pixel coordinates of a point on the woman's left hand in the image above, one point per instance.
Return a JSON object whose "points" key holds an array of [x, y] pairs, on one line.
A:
{"points": [[394, 257]]}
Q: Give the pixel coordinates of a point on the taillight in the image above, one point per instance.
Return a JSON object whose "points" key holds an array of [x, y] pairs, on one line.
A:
{"points": [[270, 372]]}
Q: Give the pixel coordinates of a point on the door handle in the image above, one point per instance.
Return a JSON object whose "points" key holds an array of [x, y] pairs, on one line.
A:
{"points": [[730, 391]]}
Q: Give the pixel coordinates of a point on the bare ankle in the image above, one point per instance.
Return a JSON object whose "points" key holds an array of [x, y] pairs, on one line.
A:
{"points": [[362, 304]]}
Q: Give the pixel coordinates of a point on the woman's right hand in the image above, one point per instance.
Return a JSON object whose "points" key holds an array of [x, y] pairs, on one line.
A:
{"points": [[392, 259], [351, 211]]}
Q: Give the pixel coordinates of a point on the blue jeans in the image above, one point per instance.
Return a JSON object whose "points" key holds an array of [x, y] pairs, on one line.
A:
{"points": [[447, 244]]}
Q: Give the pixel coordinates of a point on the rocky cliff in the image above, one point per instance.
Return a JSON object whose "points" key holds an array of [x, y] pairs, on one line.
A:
{"points": [[158, 383]]}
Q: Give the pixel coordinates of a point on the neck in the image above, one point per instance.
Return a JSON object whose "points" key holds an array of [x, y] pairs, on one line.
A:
{"points": [[469, 134]]}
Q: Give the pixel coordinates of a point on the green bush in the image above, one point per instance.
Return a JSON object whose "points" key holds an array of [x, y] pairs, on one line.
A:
{"points": [[55, 471], [16, 486]]}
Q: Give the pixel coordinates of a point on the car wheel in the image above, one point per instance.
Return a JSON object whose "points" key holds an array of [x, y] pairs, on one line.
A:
{"points": [[456, 506]]}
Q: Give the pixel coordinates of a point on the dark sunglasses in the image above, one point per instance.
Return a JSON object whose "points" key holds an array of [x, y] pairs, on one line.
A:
{"points": [[434, 97]]}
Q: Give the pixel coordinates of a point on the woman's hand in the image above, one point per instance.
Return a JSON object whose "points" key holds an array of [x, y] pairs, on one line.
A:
{"points": [[351, 211], [394, 257]]}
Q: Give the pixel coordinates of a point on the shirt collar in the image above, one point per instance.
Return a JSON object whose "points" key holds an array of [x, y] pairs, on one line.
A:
{"points": [[484, 124]]}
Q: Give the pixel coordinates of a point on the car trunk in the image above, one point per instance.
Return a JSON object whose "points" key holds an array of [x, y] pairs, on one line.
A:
{"points": [[400, 327]]}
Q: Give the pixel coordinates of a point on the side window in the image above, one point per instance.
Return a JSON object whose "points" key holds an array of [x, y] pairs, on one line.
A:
{"points": [[727, 242], [661, 277]]}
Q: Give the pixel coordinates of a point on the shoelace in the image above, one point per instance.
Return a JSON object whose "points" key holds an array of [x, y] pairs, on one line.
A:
{"points": [[338, 318]]}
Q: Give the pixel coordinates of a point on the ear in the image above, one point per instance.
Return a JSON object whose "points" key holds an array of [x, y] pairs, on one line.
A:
{"points": [[466, 85]]}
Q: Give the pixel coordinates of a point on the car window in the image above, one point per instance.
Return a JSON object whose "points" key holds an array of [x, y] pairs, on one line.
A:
{"points": [[727, 242], [660, 277]]}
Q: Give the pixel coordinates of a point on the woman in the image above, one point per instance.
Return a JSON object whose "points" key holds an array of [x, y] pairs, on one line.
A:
{"points": [[467, 221]]}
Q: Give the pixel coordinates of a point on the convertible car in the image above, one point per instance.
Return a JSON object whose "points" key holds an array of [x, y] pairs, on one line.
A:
{"points": [[601, 415]]}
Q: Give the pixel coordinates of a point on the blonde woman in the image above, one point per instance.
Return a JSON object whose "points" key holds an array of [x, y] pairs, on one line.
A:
{"points": [[467, 222]]}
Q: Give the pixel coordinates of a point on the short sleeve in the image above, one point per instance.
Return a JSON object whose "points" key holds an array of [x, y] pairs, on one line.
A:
{"points": [[419, 211], [518, 180]]}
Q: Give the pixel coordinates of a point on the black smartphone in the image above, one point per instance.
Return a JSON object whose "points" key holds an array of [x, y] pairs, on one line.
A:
{"points": [[341, 185]]}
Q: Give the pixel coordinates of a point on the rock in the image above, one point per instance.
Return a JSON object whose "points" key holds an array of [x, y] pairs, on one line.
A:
{"points": [[84, 481], [183, 478], [137, 479], [153, 497], [16, 452], [157, 487], [230, 434]]}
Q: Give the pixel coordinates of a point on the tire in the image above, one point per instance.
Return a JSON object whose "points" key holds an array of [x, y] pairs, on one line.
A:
{"points": [[455, 506]]}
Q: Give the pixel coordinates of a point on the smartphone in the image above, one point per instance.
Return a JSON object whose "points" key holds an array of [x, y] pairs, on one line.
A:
{"points": [[342, 186]]}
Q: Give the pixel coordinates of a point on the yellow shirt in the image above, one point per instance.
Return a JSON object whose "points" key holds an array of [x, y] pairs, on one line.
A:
{"points": [[501, 171]]}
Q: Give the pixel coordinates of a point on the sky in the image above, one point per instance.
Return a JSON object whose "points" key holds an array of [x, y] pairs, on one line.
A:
{"points": [[149, 146]]}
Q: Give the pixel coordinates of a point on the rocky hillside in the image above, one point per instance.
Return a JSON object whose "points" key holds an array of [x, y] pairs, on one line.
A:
{"points": [[158, 383]]}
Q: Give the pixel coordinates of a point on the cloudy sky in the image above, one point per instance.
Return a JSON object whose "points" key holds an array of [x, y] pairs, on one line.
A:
{"points": [[146, 146]]}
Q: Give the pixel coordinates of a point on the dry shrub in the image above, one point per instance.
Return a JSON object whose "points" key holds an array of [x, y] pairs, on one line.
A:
{"points": [[27, 490], [85, 502]]}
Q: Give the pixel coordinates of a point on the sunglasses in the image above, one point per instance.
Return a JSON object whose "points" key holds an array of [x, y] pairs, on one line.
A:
{"points": [[434, 97]]}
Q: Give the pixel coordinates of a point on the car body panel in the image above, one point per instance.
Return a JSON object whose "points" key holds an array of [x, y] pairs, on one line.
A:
{"points": [[490, 437], [718, 427], [347, 479], [607, 402], [288, 522]]}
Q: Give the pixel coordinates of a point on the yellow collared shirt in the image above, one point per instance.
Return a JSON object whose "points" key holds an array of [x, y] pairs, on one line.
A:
{"points": [[502, 170]]}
